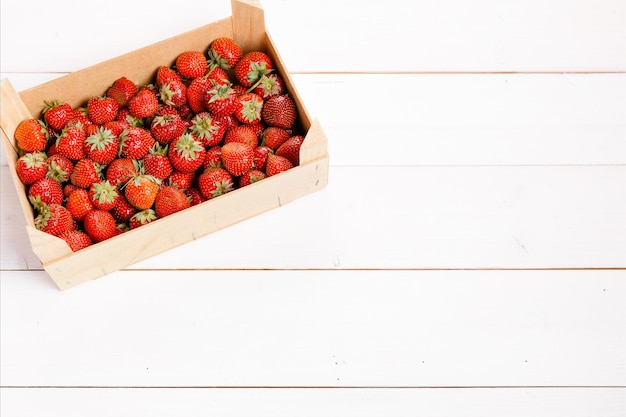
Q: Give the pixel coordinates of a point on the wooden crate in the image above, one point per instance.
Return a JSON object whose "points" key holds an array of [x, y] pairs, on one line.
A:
{"points": [[67, 268]]}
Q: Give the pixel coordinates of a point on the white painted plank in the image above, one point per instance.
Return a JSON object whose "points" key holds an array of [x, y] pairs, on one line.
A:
{"points": [[412, 217], [192, 402], [331, 36], [316, 328]]}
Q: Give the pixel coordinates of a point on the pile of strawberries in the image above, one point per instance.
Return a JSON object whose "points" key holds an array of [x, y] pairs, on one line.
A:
{"points": [[212, 123]]}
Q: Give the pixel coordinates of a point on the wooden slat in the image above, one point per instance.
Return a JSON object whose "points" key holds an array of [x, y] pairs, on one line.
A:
{"points": [[308, 328]]}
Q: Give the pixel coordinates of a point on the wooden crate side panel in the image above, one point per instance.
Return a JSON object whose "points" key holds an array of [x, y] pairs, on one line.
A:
{"points": [[139, 66], [249, 25]]}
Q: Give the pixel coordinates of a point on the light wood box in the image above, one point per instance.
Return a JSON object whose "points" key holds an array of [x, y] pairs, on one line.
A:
{"points": [[66, 268]]}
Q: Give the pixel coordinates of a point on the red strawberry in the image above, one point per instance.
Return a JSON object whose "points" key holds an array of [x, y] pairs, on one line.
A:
{"points": [[69, 189], [116, 126], [224, 53], [207, 129], [144, 104], [142, 217], [45, 190], [196, 93], [79, 203], [80, 120], [120, 171], [277, 164], [194, 196], [191, 64], [167, 127], [273, 137], [186, 153], [173, 93], [85, 173], [237, 158], [213, 158], [242, 134], [59, 167], [31, 167], [76, 239], [182, 180], [218, 75], [101, 146], [260, 157], [135, 142], [250, 177], [71, 143], [228, 121], [123, 210], [270, 85], [156, 162], [57, 114], [141, 191], [251, 67], [103, 195], [215, 182], [248, 108], [102, 109], [291, 149], [100, 225], [31, 135], [220, 100], [166, 74], [280, 111], [122, 91], [170, 200], [54, 219]]}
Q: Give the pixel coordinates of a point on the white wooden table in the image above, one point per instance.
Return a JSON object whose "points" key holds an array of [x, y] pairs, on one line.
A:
{"points": [[466, 259]]}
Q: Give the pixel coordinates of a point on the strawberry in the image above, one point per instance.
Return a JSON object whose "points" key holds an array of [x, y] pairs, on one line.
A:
{"points": [[207, 129], [279, 111], [196, 93], [167, 127], [71, 143], [270, 85], [186, 153], [170, 200], [250, 177], [173, 93], [31, 167], [142, 217], [116, 127], [102, 109], [224, 53], [120, 171], [57, 114], [45, 190], [194, 196], [191, 64], [217, 75], [291, 149], [220, 100], [248, 108], [85, 173], [213, 158], [242, 134], [251, 67], [141, 191], [273, 137], [122, 91], [123, 210], [135, 142], [237, 158], [277, 164], [182, 180], [59, 167], [165, 75], [156, 162], [101, 146], [103, 195], [215, 182], [144, 104], [227, 121], [54, 219], [69, 189], [79, 203], [76, 239], [31, 135], [260, 157], [100, 225]]}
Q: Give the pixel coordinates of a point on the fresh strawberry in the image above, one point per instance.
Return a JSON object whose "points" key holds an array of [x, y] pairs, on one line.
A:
{"points": [[277, 164], [76, 239], [243, 134], [57, 114], [170, 200], [142, 217], [69, 189], [123, 210], [100, 225], [260, 157], [102, 109], [85, 173], [280, 111], [217, 75], [135, 142], [31, 135], [173, 93], [224, 53], [156, 162], [101, 146], [59, 167], [120, 171], [191, 64], [31, 167], [144, 104], [237, 158], [270, 85], [54, 219], [194, 196], [141, 191], [215, 182], [103, 195], [71, 143], [167, 127], [165, 75], [47, 191], [251, 67], [248, 108], [186, 153], [273, 137], [250, 177], [291, 149], [213, 158], [116, 127], [220, 100], [207, 129], [227, 121], [196, 93], [79, 203], [80, 120], [122, 91], [182, 180]]}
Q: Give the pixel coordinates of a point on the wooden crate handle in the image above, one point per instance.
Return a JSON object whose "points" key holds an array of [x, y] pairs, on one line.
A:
{"points": [[249, 25]]}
